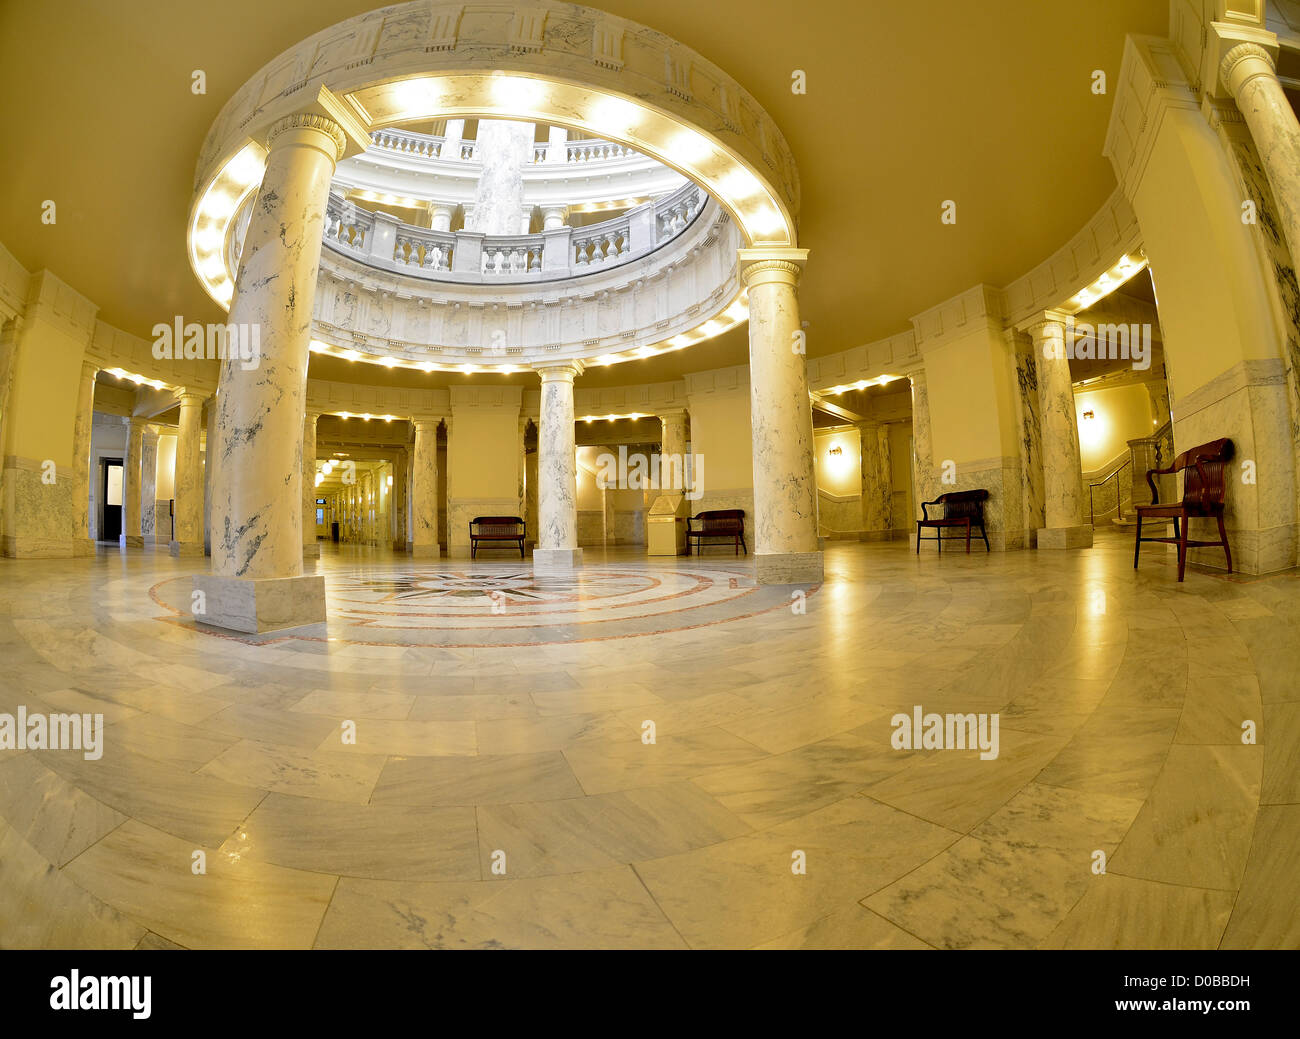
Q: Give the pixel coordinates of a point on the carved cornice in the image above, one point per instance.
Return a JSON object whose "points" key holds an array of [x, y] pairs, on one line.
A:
{"points": [[1233, 60], [309, 121]]}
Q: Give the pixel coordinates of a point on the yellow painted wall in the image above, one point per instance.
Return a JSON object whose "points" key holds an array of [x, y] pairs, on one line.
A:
{"points": [[721, 434], [43, 398], [165, 472], [1120, 414], [840, 475], [589, 494], [483, 453], [972, 398]]}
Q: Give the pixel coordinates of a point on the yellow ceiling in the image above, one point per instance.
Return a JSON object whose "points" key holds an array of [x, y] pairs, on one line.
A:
{"points": [[908, 105]]}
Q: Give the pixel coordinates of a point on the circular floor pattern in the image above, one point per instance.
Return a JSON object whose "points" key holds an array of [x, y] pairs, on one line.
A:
{"points": [[497, 606]]}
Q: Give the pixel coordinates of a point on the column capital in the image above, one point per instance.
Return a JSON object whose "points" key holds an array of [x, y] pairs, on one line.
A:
{"points": [[1048, 325], [191, 397], [427, 423], [557, 371], [762, 265], [307, 122], [1245, 62]]}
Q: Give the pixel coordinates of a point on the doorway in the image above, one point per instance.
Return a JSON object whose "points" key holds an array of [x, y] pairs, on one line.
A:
{"points": [[110, 493]]}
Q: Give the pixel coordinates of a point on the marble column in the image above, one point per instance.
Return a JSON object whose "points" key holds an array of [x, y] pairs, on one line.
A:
{"points": [[877, 483], [188, 540], [257, 582], [785, 543], [400, 466], [1066, 526], [451, 139], [505, 148], [132, 494], [554, 216], [149, 487], [82, 428], [530, 500], [557, 153], [440, 216], [210, 454], [424, 491], [523, 470], [557, 472], [310, 546], [925, 480], [1250, 74], [672, 445]]}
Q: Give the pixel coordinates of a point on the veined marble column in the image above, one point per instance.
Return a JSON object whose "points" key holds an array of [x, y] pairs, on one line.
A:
{"points": [[505, 147], [451, 139], [424, 491], [557, 472], [557, 152], [131, 536], [149, 487], [82, 429], [310, 547], [877, 482], [924, 478], [1250, 73], [188, 540], [672, 445], [554, 216], [257, 582], [398, 510], [785, 539], [1062, 466]]}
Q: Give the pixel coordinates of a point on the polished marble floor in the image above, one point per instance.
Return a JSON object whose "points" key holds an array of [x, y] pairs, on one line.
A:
{"points": [[500, 791]]}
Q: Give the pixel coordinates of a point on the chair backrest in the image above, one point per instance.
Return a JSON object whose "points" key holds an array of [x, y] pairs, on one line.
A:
{"points": [[1214, 458], [960, 504], [496, 525], [722, 520]]}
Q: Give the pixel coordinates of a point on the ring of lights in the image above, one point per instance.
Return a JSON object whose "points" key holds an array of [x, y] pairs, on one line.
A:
{"points": [[531, 60]]}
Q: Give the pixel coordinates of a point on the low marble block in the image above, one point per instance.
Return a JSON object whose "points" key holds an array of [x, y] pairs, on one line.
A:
{"points": [[1059, 538], [185, 548], [258, 605], [789, 568], [552, 559]]}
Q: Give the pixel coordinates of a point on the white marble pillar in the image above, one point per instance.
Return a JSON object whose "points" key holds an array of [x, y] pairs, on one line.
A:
{"points": [[149, 486], [523, 469], [310, 546], [82, 428], [210, 454], [451, 139], [877, 482], [424, 491], [440, 216], [925, 479], [554, 216], [132, 494], [558, 151], [557, 472], [398, 510], [785, 540], [672, 450], [1250, 74], [188, 540], [505, 148], [1066, 524], [257, 582]]}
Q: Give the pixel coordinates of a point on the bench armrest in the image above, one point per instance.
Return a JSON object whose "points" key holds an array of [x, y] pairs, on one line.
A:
{"points": [[925, 512]]}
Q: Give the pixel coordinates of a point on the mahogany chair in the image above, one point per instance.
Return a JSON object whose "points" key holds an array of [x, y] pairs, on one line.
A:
{"points": [[715, 525], [496, 532], [960, 509], [1204, 489]]}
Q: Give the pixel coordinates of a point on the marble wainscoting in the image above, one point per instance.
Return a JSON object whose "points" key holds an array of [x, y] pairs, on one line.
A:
{"points": [[42, 513], [839, 518], [740, 498], [1248, 403], [461, 510], [591, 527]]}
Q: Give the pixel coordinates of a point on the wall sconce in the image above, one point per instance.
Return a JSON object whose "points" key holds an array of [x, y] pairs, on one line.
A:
{"points": [[1089, 414], [390, 479], [836, 450]]}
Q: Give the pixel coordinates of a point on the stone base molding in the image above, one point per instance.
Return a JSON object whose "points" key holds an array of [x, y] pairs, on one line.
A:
{"points": [[311, 551], [185, 548], [1059, 538], [552, 560], [259, 605], [789, 568], [130, 541]]}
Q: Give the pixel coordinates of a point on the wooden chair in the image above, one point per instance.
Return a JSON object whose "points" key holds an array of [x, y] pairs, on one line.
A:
{"points": [[717, 523], [1204, 488], [496, 529], [960, 509]]}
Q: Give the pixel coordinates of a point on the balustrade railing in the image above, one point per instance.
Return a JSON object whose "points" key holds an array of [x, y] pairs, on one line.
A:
{"points": [[384, 241], [432, 146]]}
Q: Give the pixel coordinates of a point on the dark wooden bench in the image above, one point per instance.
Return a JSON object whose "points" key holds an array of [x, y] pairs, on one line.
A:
{"points": [[1205, 486], [725, 524], [497, 531], [961, 509]]}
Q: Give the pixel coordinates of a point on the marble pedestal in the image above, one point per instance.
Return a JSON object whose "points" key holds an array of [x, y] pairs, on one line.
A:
{"points": [[267, 604], [311, 551], [789, 568], [185, 548], [130, 541], [1056, 538], [551, 559]]}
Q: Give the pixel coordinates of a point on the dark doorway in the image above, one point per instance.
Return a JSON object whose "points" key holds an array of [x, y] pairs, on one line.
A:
{"points": [[110, 493]]}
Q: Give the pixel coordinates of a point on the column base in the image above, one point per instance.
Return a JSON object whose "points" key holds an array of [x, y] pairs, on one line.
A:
{"points": [[130, 541], [185, 548], [311, 551], [83, 547], [458, 552], [258, 605], [548, 560], [789, 568], [1058, 538], [18, 546], [426, 551]]}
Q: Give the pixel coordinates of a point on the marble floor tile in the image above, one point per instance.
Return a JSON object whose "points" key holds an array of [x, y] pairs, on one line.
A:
{"points": [[853, 928], [51, 814], [287, 770], [482, 780], [1119, 912], [1267, 910]]}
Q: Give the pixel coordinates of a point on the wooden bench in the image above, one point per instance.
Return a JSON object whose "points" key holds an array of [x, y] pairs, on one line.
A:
{"points": [[497, 531], [717, 523], [960, 509], [1204, 488]]}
